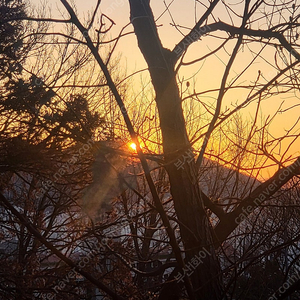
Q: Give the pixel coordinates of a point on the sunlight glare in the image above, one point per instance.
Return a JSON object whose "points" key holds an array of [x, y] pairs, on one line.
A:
{"points": [[133, 146]]}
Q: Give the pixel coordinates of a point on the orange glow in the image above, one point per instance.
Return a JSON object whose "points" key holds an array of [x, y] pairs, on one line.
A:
{"points": [[133, 146]]}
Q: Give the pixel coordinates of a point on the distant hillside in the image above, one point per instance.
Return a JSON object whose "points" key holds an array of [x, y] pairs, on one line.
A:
{"points": [[221, 184]]}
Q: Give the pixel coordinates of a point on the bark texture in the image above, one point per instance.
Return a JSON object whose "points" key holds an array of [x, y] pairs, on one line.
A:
{"points": [[195, 228]]}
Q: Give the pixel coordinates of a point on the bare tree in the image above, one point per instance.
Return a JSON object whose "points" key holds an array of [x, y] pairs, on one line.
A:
{"points": [[204, 215]]}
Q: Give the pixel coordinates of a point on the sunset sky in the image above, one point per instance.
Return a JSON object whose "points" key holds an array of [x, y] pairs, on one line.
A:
{"points": [[208, 72]]}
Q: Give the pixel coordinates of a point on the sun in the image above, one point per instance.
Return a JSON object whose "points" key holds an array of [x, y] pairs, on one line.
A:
{"points": [[133, 146]]}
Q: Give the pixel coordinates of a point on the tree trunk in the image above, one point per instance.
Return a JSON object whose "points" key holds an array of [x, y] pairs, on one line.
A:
{"points": [[195, 228]]}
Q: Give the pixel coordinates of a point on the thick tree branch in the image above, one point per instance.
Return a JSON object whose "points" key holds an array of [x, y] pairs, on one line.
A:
{"points": [[194, 34], [263, 192], [54, 250], [157, 57], [267, 34], [25, 18], [218, 211], [158, 205]]}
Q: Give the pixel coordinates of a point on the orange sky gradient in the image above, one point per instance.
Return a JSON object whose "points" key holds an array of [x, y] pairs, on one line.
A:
{"points": [[208, 72]]}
